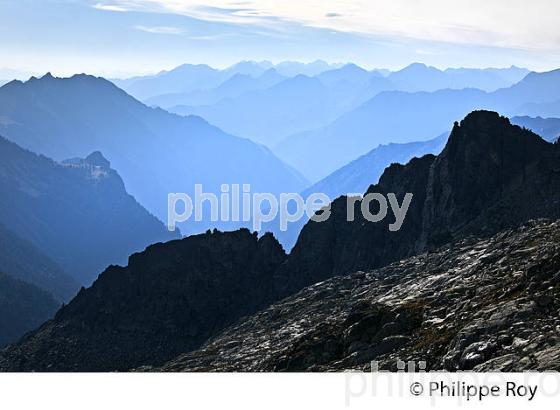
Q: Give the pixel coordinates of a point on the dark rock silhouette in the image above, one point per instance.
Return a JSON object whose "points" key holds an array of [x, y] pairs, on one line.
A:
{"points": [[490, 176], [482, 305], [169, 299]]}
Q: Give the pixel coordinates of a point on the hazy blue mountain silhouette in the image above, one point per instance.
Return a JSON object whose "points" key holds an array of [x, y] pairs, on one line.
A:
{"points": [[187, 78], [78, 213], [535, 88], [27, 263], [487, 79], [420, 77], [233, 87], [182, 79], [269, 115], [547, 109], [392, 116], [349, 73], [155, 152], [294, 106], [358, 175], [23, 307], [397, 116], [548, 128]]}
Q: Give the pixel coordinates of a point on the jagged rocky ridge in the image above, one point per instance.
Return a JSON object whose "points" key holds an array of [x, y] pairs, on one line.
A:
{"points": [[483, 305], [169, 299], [490, 177]]}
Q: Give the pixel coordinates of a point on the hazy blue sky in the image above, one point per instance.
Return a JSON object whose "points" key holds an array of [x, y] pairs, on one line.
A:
{"points": [[123, 37]]}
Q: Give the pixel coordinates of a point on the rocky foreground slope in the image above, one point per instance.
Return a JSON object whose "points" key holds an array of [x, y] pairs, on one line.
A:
{"points": [[490, 304]]}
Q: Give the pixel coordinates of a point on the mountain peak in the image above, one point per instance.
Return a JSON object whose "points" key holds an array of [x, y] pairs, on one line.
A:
{"points": [[484, 118], [487, 132], [97, 159], [491, 175]]}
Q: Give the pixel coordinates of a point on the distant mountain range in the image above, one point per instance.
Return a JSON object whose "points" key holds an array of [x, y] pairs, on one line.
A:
{"points": [[233, 87], [268, 115], [187, 78], [266, 102], [419, 77], [358, 175], [397, 116], [154, 151], [548, 128], [491, 176], [78, 213]]}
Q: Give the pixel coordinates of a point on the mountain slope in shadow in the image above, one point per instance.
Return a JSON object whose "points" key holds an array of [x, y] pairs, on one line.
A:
{"points": [[78, 213], [27, 263], [23, 307], [169, 299], [491, 176]]}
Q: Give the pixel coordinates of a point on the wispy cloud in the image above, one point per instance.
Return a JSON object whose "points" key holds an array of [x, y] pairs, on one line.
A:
{"points": [[160, 29], [499, 23], [110, 7]]}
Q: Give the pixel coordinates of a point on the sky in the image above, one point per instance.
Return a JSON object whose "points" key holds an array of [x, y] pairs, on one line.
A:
{"points": [[120, 38]]}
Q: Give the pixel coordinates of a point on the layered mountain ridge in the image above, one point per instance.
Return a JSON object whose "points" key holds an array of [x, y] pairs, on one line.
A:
{"points": [[23, 307], [155, 152], [490, 177]]}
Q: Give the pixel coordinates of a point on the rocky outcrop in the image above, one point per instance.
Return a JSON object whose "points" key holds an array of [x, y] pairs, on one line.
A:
{"points": [[168, 300], [483, 305], [491, 175]]}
